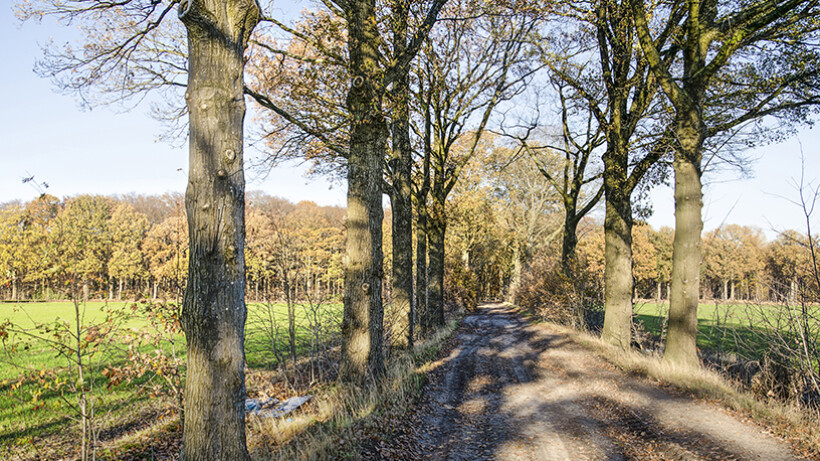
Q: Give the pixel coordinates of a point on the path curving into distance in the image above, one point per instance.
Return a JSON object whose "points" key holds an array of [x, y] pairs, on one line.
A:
{"points": [[509, 390]]}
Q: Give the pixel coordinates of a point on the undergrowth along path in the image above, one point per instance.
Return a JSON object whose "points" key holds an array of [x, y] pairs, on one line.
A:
{"points": [[510, 390]]}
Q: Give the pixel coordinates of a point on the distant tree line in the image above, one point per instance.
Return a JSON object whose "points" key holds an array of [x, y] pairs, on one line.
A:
{"points": [[504, 219], [136, 246], [738, 263]]}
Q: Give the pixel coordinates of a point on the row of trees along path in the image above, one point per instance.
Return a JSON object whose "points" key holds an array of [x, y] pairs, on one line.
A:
{"points": [[676, 80]]}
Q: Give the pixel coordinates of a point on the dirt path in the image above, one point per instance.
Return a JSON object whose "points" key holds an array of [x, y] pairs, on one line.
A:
{"points": [[514, 391]]}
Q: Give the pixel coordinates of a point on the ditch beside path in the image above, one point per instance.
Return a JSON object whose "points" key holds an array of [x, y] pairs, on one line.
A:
{"points": [[510, 390]]}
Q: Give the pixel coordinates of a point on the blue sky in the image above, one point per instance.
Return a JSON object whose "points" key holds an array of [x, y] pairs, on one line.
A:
{"points": [[108, 151], [762, 200], [102, 151]]}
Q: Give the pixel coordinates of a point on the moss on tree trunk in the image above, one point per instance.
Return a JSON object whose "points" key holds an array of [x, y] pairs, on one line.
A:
{"points": [[681, 339], [362, 355]]}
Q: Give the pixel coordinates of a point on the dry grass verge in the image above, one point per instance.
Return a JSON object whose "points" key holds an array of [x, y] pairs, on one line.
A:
{"points": [[333, 425], [340, 416], [799, 426]]}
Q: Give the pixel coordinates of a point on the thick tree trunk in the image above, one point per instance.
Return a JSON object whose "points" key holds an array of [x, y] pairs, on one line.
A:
{"points": [[363, 316], [403, 269], [214, 312], [401, 193], [436, 234], [681, 341], [618, 273], [618, 280], [86, 291]]}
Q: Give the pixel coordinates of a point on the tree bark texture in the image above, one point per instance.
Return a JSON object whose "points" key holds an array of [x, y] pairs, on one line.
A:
{"points": [[421, 268], [681, 340], [401, 194], [213, 312], [437, 228], [570, 239], [618, 267], [630, 91], [618, 279], [363, 316]]}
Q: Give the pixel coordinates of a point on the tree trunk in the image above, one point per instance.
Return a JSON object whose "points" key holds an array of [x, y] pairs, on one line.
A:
{"points": [[660, 291], [14, 289], [156, 289], [681, 341], [214, 312], [618, 272], [363, 315], [437, 229], [119, 290], [86, 290], [403, 269], [500, 283], [732, 290], [422, 305], [570, 240], [618, 280], [401, 193], [308, 281], [792, 291], [291, 322], [515, 284]]}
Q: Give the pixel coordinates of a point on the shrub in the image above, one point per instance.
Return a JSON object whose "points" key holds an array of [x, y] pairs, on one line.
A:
{"points": [[460, 288], [575, 301]]}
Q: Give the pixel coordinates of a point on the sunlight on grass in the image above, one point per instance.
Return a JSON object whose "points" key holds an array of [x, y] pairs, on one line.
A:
{"points": [[788, 420], [46, 415]]}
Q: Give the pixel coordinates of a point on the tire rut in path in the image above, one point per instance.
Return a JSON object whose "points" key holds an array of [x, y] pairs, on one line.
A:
{"points": [[513, 391]]}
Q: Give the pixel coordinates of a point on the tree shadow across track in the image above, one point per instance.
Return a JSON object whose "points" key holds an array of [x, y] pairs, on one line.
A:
{"points": [[510, 390]]}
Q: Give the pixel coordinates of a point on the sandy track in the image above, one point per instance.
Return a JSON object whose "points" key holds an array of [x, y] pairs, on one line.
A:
{"points": [[513, 391]]}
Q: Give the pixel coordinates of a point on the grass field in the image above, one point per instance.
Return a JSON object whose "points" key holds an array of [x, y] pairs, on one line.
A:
{"points": [[724, 327], [24, 419]]}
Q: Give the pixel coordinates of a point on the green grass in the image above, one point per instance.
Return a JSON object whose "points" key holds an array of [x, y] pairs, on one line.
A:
{"points": [[21, 418], [741, 328]]}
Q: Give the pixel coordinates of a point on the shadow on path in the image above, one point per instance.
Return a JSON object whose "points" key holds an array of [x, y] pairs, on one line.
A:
{"points": [[509, 390]]}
